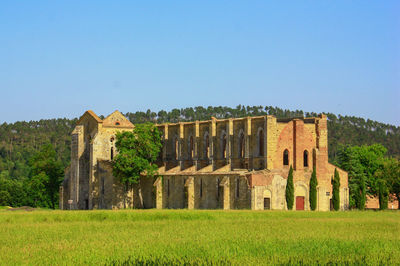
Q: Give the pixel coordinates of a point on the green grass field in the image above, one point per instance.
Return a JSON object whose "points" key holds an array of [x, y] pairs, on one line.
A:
{"points": [[199, 237]]}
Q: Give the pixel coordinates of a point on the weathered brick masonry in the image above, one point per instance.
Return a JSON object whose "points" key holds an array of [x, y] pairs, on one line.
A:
{"points": [[240, 163]]}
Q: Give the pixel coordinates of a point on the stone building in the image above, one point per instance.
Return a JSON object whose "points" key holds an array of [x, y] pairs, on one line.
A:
{"points": [[238, 163]]}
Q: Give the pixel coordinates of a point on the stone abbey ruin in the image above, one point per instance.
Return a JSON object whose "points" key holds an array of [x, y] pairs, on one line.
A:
{"points": [[238, 163]]}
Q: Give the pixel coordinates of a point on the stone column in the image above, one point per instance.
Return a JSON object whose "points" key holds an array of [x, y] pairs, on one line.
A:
{"points": [[229, 132], [77, 149], [213, 135], [159, 193], [298, 146], [196, 156], [164, 157], [181, 143], [272, 139], [265, 164], [225, 183], [322, 146], [247, 134], [189, 184]]}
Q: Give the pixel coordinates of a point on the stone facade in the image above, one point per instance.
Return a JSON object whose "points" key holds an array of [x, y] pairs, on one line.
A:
{"points": [[240, 163]]}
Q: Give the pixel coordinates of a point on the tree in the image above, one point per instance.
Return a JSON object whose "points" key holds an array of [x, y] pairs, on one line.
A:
{"points": [[383, 194], [5, 198], [361, 162], [313, 190], [47, 175], [289, 192], [390, 173], [361, 194], [336, 191], [137, 153]]}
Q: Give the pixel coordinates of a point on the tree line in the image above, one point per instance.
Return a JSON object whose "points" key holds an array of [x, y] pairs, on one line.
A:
{"points": [[21, 142]]}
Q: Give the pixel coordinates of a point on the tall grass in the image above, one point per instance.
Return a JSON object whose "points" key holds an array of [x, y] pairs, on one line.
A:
{"points": [[148, 237]]}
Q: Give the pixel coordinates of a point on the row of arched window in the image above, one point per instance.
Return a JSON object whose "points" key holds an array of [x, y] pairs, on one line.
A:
{"points": [[206, 141], [286, 158]]}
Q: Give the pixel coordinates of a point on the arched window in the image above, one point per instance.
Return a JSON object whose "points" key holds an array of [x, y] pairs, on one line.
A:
{"points": [[223, 142], [241, 145], [112, 148], [191, 147], [117, 123], [201, 188], [260, 142], [217, 188], [237, 187], [206, 145], [176, 148], [168, 188], [305, 158], [286, 157]]}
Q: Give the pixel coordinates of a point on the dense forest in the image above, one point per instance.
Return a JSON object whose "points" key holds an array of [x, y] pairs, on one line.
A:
{"points": [[20, 141]]}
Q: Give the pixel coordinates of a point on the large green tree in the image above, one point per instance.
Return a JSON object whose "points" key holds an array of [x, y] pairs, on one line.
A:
{"points": [[138, 151], [289, 192], [313, 190], [361, 162], [336, 191], [46, 177]]}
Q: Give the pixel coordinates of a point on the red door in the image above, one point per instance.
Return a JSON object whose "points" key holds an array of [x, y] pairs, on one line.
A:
{"points": [[299, 203]]}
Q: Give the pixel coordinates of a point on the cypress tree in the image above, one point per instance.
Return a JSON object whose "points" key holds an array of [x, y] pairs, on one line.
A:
{"points": [[336, 191], [313, 190], [383, 194], [289, 193]]}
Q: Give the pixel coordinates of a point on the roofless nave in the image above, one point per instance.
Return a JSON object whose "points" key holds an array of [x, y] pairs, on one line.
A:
{"points": [[238, 163]]}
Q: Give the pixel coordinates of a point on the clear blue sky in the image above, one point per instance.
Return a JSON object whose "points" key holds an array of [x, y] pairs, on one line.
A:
{"points": [[60, 58]]}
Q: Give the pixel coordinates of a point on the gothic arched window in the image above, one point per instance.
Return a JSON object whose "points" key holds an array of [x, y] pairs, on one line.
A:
{"points": [[176, 148], [191, 147], [286, 157], [223, 143], [305, 158], [241, 145], [260, 142], [206, 145], [112, 148]]}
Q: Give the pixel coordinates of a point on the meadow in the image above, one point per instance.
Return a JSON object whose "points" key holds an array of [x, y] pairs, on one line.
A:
{"points": [[148, 237]]}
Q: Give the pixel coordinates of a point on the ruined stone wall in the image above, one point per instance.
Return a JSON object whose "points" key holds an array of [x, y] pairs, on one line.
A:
{"points": [[219, 154], [205, 192], [112, 193], [247, 172], [238, 137], [257, 128], [204, 151]]}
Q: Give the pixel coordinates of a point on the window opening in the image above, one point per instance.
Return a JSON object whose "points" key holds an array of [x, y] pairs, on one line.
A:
{"points": [[224, 146], [286, 157], [201, 188], [305, 158], [261, 143], [237, 187], [241, 145]]}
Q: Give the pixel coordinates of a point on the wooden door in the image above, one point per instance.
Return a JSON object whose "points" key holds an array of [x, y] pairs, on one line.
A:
{"points": [[267, 203], [299, 203]]}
